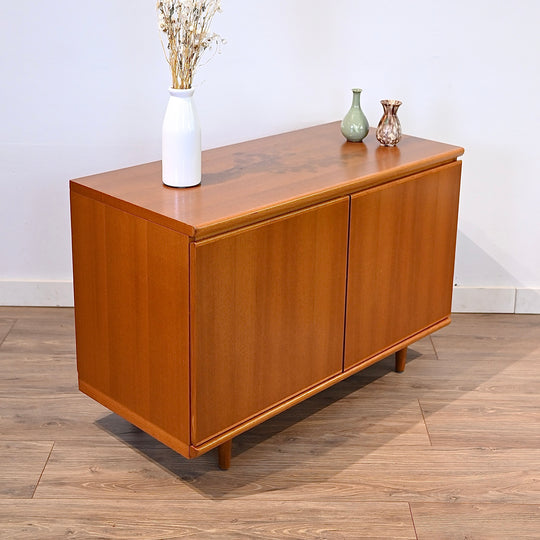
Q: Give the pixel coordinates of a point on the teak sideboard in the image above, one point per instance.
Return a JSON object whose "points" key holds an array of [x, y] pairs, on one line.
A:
{"points": [[300, 260]]}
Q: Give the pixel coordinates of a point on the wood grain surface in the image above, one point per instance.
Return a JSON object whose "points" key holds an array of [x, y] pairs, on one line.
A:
{"points": [[21, 465], [478, 521], [255, 180], [267, 306], [161, 520], [380, 455], [131, 283], [401, 259], [202, 312]]}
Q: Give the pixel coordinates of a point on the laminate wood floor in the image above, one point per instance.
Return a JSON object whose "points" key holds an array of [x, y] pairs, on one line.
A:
{"points": [[449, 449]]}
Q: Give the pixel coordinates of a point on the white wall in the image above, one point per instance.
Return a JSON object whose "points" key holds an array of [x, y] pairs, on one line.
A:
{"points": [[84, 88]]}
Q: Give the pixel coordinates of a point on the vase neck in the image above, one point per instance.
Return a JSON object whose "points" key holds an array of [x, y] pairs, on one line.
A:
{"points": [[356, 97], [181, 92], [390, 106]]}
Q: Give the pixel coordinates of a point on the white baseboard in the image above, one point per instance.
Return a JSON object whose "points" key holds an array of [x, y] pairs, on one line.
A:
{"points": [[465, 299], [484, 300], [495, 300], [36, 293], [528, 301]]}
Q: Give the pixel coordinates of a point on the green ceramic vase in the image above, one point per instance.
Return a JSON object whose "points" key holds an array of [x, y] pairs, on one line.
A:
{"points": [[355, 125]]}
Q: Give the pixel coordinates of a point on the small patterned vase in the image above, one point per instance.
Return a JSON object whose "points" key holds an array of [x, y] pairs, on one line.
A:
{"points": [[355, 125], [389, 129]]}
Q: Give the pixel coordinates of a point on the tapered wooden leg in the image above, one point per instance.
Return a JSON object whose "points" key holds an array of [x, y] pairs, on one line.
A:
{"points": [[401, 358], [224, 453]]}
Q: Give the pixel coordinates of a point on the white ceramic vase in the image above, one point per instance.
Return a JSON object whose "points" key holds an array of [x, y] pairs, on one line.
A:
{"points": [[181, 141]]}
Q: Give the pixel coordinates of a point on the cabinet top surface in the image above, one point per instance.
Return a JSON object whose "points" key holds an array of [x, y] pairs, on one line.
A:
{"points": [[247, 182]]}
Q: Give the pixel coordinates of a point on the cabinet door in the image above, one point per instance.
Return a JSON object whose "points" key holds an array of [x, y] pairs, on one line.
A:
{"points": [[401, 260], [268, 306]]}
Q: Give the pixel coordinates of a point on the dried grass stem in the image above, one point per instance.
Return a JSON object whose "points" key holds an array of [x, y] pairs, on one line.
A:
{"points": [[186, 24]]}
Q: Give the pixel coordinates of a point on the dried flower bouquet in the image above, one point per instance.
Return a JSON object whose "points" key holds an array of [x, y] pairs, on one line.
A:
{"points": [[186, 23]]}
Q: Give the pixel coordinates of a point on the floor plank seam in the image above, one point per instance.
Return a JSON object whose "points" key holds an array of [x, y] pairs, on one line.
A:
{"points": [[43, 470], [412, 519], [8, 332], [433, 347], [425, 423]]}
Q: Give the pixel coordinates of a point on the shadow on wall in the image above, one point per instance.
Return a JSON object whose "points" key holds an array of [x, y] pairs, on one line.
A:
{"points": [[489, 287], [480, 268]]}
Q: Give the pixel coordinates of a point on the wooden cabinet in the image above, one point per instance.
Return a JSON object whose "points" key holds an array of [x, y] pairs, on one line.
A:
{"points": [[300, 260]]}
